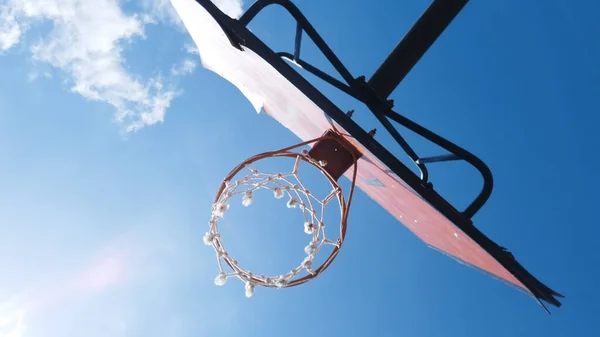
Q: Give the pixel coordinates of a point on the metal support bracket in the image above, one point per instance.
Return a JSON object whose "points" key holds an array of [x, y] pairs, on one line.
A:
{"points": [[374, 92]]}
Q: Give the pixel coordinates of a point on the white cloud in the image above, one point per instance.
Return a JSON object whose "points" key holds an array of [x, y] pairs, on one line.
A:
{"points": [[86, 43], [186, 67], [233, 8], [163, 11], [163, 8], [34, 75], [191, 49], [12, 319], [10, 30]]}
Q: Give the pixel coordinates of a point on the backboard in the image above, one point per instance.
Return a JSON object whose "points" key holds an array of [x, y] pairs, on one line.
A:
{"points": [[274, 87]]}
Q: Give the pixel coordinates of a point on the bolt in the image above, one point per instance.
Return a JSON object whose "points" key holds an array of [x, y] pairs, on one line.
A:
{"points": [[372, 132], [350, 113]]}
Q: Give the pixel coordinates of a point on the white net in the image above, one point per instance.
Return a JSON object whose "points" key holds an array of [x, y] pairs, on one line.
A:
{"points": [[287, 186]]}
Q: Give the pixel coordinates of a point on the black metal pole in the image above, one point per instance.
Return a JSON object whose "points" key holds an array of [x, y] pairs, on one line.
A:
{"points": [[321, 74], [438, 159], [413, 46], [297, 41]]}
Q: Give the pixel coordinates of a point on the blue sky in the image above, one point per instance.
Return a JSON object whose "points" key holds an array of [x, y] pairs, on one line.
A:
{"points": [[113, 141]]}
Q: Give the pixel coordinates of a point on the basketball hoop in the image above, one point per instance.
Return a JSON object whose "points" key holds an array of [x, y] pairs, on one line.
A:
{"points": [[332, 155]]}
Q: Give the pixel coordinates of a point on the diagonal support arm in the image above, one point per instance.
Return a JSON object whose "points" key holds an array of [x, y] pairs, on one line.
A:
{"points": [[414, 45]]}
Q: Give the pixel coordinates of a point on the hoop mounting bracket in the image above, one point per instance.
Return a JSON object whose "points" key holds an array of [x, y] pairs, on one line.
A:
{"points": [[336, 153]]}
